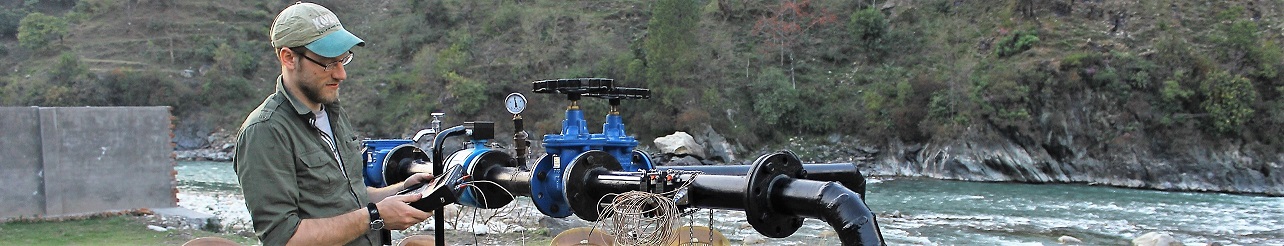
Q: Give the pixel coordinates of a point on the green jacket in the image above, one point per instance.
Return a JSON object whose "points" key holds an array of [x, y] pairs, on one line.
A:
{"points": [[288, 173]]}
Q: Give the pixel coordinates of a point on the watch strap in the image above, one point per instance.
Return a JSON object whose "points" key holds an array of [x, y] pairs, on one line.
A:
{"points": [[373, 210], [376, 223]]}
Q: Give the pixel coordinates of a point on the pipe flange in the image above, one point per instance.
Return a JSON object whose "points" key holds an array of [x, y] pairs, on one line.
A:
{"points": [[577, 175], [762, 181], [495, 195], [395, 162], [640, 156], [546, 188]]}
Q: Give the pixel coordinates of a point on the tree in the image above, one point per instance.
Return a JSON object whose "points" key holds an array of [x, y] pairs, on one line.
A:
{"points": [[38, 30], [867, 28], [787, 26], [669, 46]]}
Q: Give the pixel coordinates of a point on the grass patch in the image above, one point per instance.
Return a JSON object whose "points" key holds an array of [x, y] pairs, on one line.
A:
{"points": [[109, 230]]}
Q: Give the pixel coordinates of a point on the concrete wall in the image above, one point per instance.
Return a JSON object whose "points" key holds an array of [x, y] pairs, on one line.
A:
{"points": [[83, 160]]}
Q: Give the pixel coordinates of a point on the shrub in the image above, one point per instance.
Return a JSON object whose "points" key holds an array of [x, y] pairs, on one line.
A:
{"points": [[776, 98], [452, 59], [1228, 100], [1020, 41], [234, 61], [225, 89], [68, 70], [469, 94]]}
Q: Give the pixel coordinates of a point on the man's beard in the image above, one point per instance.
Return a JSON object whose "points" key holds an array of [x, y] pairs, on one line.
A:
{"points": [[313, 92]]}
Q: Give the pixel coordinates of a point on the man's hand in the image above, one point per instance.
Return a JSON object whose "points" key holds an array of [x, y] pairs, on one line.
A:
{"points": [[397, 213], [416, 179]]}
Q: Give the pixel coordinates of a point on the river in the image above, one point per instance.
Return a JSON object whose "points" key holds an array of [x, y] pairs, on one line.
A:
{"points": [[936, 212]]}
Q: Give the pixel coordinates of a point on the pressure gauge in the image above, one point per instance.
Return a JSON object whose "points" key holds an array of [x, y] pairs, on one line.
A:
{"points": [[515, 103]]}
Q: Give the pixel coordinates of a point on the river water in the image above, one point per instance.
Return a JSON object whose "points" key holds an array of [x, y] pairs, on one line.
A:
{"points": [[936, 212]]}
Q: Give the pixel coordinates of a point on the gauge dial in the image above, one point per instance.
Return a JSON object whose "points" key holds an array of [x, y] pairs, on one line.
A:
{"points": [[515, 103]]}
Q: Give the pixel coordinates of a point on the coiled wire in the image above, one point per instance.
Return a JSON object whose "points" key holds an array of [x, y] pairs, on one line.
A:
{"points": [[641, 218]]}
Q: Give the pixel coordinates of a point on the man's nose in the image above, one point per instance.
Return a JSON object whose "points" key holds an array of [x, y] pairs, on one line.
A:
{"points": [[340, 73]]}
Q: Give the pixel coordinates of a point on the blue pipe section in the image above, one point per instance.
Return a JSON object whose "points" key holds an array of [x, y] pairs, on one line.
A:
{"points": [[374, 153]]}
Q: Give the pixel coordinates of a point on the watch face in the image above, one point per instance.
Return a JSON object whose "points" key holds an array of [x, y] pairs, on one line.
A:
{"points": [[376, 225]]}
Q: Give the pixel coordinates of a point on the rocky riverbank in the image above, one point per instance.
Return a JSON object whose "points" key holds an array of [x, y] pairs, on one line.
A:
{"points": [[1128, 161]]}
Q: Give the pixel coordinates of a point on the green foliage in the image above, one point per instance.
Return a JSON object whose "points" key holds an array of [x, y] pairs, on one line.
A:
{"points": [[122, 87], [1228, 100], [1173, 92], [1004, 94], [235, 61], [774, 97], [885, 91], [947, 108], [1269, 58], [1018, 42], [1079, 59], [1244, 47], [452, 59], [9, 21], [469, 94], [669, 46], [37, 30], [1240, 35], [225, 89], [1175, 96], [103, 229], [68, 70], [867, 27], [636, 71], [500, 21]]}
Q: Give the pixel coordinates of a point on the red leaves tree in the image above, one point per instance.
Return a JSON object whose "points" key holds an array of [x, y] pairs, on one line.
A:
{"points": [[788, 26]]}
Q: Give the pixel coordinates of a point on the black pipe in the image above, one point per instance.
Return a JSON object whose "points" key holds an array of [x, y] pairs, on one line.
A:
{"points": [[847, 174], [512, 179], [832, 203], [717, 192], [438, 166], [827, 201]]}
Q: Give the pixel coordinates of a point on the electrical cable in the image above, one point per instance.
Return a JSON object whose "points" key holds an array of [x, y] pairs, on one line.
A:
{"points": [[484, 202]]}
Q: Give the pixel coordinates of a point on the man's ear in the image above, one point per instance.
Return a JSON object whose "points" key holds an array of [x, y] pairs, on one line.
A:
{"points": [[286, 57]]}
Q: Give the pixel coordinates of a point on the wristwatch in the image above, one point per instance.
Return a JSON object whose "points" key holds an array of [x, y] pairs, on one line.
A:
{"points": [[376, 223]]}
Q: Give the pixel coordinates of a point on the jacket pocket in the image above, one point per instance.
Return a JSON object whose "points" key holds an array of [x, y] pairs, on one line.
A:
{"points": [[319, 176]]}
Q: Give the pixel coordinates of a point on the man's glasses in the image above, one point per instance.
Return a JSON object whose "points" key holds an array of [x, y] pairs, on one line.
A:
{"points": [[326, 66]]}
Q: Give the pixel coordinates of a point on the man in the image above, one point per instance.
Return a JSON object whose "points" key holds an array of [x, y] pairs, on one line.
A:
{"points": [[297, 157]]}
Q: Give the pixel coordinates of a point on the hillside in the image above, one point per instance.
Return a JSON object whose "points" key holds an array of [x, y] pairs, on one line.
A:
{"points": [[1182, 95]]}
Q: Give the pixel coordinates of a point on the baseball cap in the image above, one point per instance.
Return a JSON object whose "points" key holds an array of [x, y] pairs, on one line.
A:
{"points": [[314, 27]]}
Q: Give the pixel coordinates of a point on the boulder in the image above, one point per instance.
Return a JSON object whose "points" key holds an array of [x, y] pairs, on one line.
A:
{"points": [[1156, 239], [680, 143], [1069, 240], [718, 148]]}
